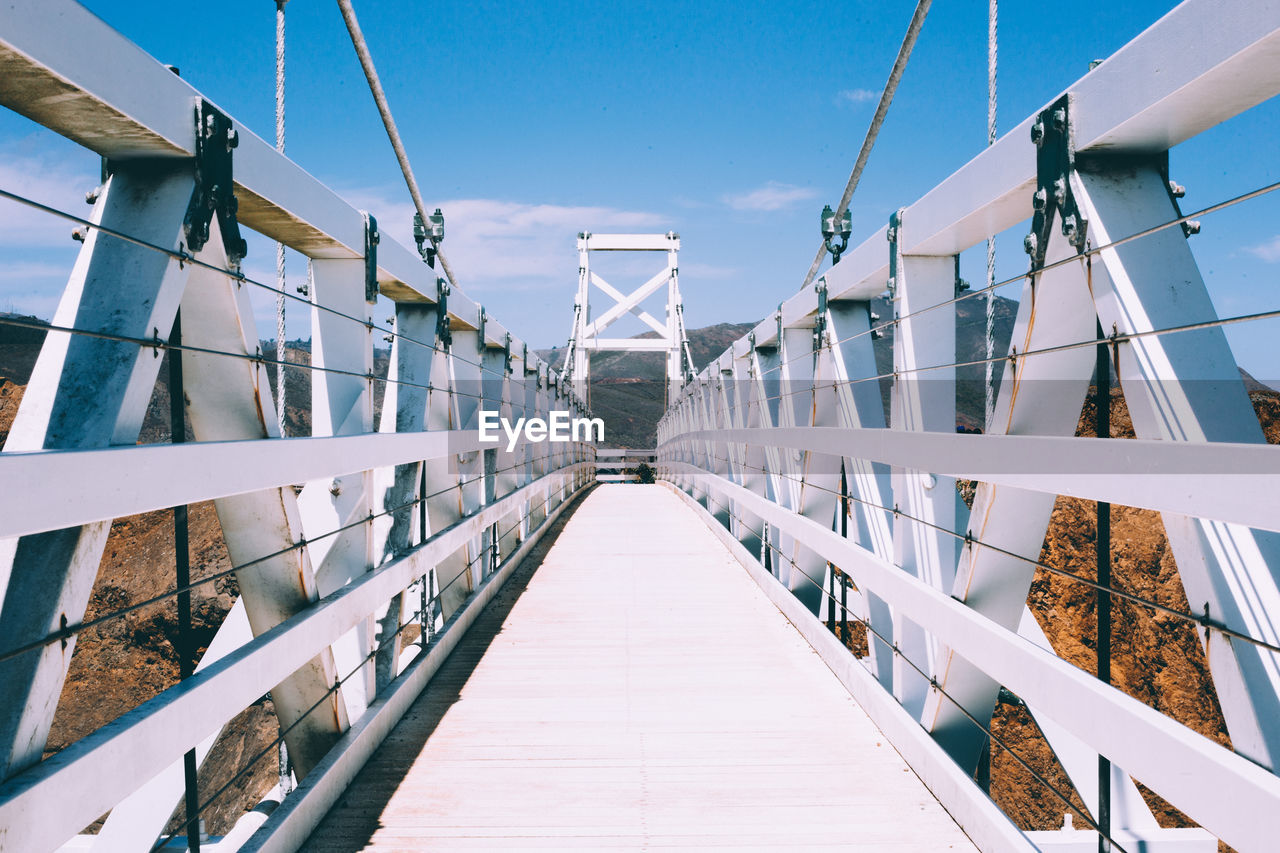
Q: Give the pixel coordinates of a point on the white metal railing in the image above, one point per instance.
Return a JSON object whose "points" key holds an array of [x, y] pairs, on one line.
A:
{"points": [[784, 445], [338, 542], [619, 466]]}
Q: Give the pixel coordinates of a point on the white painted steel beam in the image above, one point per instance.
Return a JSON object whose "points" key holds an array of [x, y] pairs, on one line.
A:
{"points": [[80, 486], [627, 303], [228, 398], [1189, 390], [1225, 481], [84, 393], [859, 405], [140, 818], [923, 399], [629, 242], [342, 404]]}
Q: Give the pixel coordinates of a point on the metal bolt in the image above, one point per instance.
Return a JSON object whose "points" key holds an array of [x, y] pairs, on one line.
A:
{"points": [[233, 138], [91, 197], [1060, 119], [1176, 189], [1069, 229], [1030, 243], [1060, 189], [1041, 199], [891, 234], [1037, 132], [304, 290], [1191, 226], [78, 235]]}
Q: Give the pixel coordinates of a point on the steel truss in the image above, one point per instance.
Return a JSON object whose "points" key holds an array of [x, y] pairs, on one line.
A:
{"points": [[410, 504], [587, 327], [783, 441]]}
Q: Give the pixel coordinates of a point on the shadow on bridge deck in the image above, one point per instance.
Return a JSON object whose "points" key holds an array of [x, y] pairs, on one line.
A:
{"points": [[631, 687]]}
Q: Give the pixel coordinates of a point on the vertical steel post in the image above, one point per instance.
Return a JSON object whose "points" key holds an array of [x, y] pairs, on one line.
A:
{"points": [[425, 622], [844, 608], [1102, 428], [831, 600], [182, 561]]}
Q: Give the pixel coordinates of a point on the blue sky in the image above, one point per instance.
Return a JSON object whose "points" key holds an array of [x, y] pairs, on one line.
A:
{"points": [[731, 123]]}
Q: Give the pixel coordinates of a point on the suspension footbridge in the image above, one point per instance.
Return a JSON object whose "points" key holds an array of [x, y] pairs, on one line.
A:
{"points": [[800, 636]]}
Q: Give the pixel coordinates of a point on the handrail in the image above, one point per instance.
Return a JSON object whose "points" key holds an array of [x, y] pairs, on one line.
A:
{"points": [[34, 808]]}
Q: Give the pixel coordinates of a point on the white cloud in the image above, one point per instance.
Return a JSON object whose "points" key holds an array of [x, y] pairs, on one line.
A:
{"points": [[856, 96], [489, 241], [1268, 251], [53, 182], [25, 271], [772, 196]]}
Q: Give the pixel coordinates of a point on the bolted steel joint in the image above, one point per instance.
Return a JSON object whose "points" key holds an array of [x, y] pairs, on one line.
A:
{"points": [[1070, 229], [1037, 132]]}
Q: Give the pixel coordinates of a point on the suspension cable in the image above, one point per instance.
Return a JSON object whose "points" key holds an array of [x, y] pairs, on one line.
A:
{"points": [[389, 122], [280, 276], [989, 395], [882, 109]]}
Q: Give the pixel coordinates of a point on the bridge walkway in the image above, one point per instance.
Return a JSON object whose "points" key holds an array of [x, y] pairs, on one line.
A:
{"points": [[633, 688]]}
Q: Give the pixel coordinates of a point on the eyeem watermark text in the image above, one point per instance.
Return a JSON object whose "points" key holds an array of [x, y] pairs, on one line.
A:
{"points": [[561, 427]]}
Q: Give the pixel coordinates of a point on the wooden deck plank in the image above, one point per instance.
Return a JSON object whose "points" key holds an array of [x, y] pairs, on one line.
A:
{"points": [[635, 689]]}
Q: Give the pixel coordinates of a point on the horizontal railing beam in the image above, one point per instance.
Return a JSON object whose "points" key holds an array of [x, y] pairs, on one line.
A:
{"points": [[1219, 480], [629, 243], [82, 486]]}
